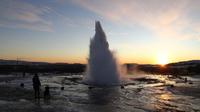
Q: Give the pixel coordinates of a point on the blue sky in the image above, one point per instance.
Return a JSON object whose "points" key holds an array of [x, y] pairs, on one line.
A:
{"points": [[137, 30]]}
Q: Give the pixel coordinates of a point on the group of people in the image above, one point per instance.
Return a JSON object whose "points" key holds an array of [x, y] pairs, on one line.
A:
{"points": [[36, 87]]}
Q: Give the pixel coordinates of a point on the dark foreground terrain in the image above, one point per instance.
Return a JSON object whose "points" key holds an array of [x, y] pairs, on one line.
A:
{"points": [[141, 93]]}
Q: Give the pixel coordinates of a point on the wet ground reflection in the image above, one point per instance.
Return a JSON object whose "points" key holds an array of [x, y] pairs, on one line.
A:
{"points": [[104, 97], [165, 97]]}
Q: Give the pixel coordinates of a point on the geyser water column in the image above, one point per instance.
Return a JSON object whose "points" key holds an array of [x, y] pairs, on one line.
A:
{"points": [[102, 69]]}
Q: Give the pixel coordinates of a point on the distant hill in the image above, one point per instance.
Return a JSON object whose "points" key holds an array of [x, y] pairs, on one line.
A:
{"points": [[191, 67], [7, 66], [20, 62], [185, 63]]}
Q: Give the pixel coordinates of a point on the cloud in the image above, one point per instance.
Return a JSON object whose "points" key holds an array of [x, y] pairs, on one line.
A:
{"points": [[20, 14], [165, 18], [76, 22]]}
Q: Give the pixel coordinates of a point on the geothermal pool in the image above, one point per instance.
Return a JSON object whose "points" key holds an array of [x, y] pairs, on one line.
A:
{"points": [[143, 93]]}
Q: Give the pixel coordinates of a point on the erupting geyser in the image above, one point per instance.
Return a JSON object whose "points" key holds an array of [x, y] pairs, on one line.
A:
{"points": [[102, 66]]}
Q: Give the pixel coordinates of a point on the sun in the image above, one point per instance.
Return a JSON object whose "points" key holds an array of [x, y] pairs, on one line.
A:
{"points": [[162, 58]]}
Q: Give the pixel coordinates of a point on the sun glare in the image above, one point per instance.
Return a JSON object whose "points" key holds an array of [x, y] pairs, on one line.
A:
{"points": [[162, 59]]}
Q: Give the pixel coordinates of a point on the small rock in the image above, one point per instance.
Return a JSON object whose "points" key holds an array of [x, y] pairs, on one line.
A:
{"points": [[90, 87], [62, 88], [190, 82], [22, 85]]}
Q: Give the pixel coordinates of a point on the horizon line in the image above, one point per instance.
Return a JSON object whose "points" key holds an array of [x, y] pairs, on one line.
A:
{"points": [[86, 63]]}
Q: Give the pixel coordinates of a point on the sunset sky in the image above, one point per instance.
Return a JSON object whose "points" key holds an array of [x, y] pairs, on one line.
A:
{"points": [[138, 31]]}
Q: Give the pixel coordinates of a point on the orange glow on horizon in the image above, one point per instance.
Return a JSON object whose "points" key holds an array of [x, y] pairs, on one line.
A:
{"points": [[153, 58]]}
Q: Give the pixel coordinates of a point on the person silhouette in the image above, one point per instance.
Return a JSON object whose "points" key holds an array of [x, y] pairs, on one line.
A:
{"points": [[47, 93], [36, 86]]}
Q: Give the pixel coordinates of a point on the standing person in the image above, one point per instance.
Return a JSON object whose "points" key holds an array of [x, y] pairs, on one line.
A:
{"points": [[36, 86]]}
